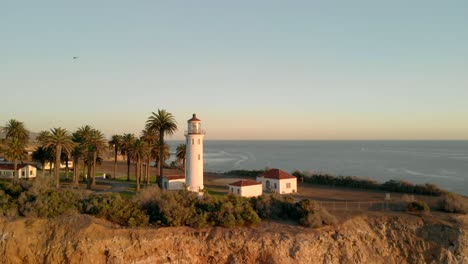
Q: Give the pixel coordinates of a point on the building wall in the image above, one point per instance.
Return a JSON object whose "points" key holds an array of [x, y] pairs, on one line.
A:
{"points": [[194, 162], [6, 173], [278, 186], [24, 173], [288, 186], [246, 191], [174, 184]]}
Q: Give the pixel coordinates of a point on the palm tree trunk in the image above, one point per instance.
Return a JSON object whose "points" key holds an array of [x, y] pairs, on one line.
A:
{"points": [[90, 168], [138, 175], [128, 168], [76, 171], [93, 177], [85, 169], [66, 166], [58, 151], [161, 157], [148, 171], [115, 163], [42, 169], [15, 172]]}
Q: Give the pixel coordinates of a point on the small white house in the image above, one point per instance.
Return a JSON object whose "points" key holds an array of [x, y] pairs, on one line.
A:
{"points": [[278, 181], [24, 171], [174, 182], [246, 188]]}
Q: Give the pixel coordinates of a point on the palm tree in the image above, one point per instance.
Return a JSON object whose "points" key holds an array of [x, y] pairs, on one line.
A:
{"points": [[58, 139], [80, 137], [151, 137], [164, 123], [127, 141], [115, 143], [95, 144], [181, 151], [42, 155], [14, 151], [77, 153], [15, 129], [138, 151]]}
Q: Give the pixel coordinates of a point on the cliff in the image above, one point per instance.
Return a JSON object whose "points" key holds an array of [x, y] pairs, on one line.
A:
{"points": [[392, 238]]}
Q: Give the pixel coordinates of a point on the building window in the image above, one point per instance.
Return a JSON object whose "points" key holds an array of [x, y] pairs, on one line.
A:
{"points": [[238, 191], [232, 190], [198, 156], [193, 141], [22, 173], [31, 172], [288, 185], [274, 185]]}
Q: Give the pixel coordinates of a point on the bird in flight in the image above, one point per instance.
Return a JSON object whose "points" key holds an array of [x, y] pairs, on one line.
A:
{"points": [[75, 58]]}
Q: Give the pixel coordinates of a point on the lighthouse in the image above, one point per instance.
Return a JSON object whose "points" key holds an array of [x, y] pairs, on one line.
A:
{"points": [[194, 152]]}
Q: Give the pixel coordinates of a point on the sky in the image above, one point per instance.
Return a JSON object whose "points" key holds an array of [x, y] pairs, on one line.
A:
{"points": [[291, 70]]}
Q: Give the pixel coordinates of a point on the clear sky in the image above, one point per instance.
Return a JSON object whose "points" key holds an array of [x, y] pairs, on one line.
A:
{"points": [[250, 69]]}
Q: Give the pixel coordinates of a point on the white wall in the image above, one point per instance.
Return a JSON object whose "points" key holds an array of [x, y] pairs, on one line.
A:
{"points": [[174, 184], [246, 191], [285, 183], [194, 161], [278, 186]]}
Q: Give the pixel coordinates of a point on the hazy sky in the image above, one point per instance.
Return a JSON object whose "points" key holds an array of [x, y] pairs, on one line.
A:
{"points": [[249, 69]]}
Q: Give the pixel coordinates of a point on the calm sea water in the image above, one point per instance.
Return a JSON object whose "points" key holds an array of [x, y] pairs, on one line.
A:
{"points": [[444, 163]]}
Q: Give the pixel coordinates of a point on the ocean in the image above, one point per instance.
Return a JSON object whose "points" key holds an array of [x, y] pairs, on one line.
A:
{"points": [[444, 163]]}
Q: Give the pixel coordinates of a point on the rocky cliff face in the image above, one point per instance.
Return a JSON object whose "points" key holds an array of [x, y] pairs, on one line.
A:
{"points": [[362, 239]]}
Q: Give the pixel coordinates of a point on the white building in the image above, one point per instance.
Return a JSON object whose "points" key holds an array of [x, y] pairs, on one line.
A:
{"points": [[246, 188], [25, 171], [278, 181], [194, 155], [174, 182]]}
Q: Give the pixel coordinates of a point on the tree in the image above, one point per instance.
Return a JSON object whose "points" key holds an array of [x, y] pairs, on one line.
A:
{"points": [[95, 144], [138, 151], [164, 123], [80, 137], [115, 143], [42, 155], [151, 137], [15, 129], [14, 151], [77, 153], [60, 140], [127, 141], [181, 152]]}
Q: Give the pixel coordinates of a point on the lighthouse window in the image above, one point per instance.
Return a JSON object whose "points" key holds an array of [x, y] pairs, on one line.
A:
{"points": [[198, 156], [193, 141], [198, 141]]}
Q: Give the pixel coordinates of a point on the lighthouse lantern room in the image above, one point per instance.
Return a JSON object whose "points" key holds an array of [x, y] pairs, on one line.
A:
{"points": [[194, 155]]}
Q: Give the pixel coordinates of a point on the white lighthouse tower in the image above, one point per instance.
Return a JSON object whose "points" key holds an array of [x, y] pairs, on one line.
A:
{"points": [[194, 152]]}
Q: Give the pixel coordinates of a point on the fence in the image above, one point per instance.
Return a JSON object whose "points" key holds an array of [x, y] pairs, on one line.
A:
{"points": [[363, 205]]}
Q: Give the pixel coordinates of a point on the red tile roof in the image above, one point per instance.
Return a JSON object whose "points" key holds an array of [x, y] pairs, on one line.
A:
{"points": [[277, 174], [10, 166], [174, 177], [242, 183]]}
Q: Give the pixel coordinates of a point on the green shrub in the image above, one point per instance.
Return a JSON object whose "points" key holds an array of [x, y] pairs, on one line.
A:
{"points": [[360, 182], [112, 207], [310, 214], [176, 208], [417, 206], [454, 203], [50, 203], [8, 205], [274, 206]]}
